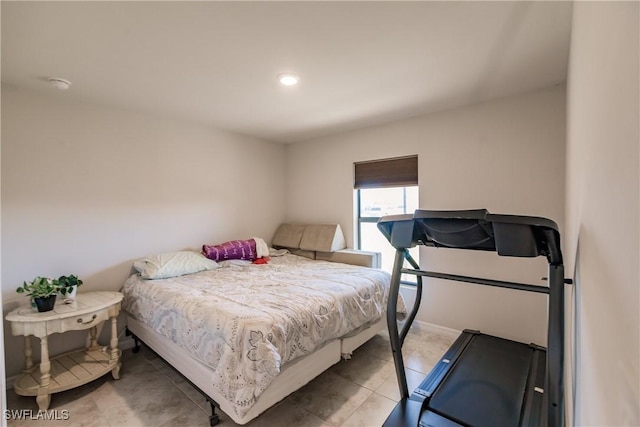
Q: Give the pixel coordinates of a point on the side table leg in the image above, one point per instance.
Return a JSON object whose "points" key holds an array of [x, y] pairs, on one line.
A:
{"points": [[28, 353], [93, 340], [115, 353], [44, 398]]}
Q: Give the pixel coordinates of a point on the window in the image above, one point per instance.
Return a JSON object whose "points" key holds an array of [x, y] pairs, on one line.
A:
{"points": [[384, 187]]}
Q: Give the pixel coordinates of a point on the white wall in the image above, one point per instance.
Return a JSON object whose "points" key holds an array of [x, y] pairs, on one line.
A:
{"points": [[3, 377], [87, 189], [507, 156], [603, 210]]}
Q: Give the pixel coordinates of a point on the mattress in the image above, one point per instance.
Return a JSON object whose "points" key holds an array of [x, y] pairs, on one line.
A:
{"points": [[247, 322]]}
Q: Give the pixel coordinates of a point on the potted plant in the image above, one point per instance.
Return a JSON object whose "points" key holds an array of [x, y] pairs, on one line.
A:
{"points": [[69, 285], [43, 292]]}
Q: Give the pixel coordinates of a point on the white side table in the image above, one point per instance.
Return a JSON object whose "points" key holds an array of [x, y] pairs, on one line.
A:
{"points": [[68, 370]]}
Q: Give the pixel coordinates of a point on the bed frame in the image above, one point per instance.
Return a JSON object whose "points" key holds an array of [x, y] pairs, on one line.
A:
{"points": [[293, 376], [324, 242]]}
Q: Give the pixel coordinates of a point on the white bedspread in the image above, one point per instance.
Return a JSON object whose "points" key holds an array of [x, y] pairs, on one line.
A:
{"points": [[247, 322]]}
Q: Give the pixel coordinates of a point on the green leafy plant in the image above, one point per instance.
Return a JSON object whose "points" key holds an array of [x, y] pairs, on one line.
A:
{"points": [[66, 283], [40, 287]]}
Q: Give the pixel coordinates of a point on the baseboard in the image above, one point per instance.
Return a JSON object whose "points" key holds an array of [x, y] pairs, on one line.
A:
{"points": [[10, 381], [126, 343], [438, 328]]}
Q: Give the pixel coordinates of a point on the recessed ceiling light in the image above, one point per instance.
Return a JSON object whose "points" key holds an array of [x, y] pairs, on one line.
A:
{"points": [[288, 79], [60, 84]]}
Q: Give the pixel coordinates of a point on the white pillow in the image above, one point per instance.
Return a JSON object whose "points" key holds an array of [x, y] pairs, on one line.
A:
{"points": [[172, 264]]}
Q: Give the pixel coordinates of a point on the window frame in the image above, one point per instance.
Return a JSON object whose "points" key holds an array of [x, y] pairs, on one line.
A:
{"points": [[374, 219]]}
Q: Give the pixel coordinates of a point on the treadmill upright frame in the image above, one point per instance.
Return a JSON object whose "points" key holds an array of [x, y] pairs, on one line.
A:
{"points": [[508, 235]]}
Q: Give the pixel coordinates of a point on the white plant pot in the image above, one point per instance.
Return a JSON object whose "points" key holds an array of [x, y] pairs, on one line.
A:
{"points": [[71, 296]]}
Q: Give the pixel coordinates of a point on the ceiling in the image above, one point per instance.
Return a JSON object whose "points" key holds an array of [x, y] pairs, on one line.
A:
{"points": [[360, 63]]}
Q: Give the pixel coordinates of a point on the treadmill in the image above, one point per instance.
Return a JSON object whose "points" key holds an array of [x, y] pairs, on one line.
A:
{"points": [[482, 380]]}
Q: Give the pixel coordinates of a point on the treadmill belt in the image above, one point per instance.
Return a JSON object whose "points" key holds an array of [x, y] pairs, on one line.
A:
{"points": [[486, 386]]}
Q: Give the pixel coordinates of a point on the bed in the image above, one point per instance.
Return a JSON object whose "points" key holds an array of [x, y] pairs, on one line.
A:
{"points": [[248, 335]]}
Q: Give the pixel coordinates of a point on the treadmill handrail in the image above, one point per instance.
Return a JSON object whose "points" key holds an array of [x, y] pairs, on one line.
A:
{"points": [[478, 280]]}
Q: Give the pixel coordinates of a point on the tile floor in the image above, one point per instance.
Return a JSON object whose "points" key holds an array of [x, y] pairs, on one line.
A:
{"points": [[361, 391]]}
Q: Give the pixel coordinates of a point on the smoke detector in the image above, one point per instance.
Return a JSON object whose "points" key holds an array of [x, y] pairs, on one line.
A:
{"points": [[60, 84]]}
